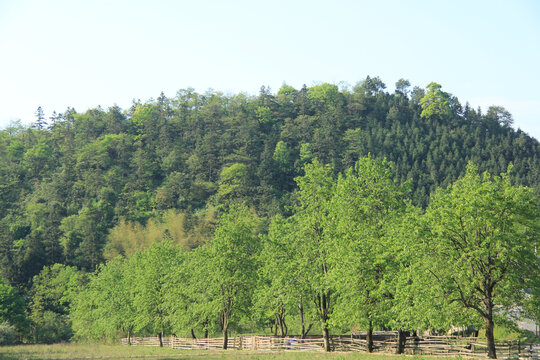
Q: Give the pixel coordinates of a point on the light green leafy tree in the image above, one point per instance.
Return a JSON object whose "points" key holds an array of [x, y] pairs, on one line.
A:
{"points": [[264, 115], [480, 249], [151, 268], [414, 300], [312, 241], [280, 290], [105, 308], [325, 95], [306, 153], [187, 296], [230, 267], [53, 290], [435, 103], [366, 203], [12, 307], [232, 183], [282, 155]]}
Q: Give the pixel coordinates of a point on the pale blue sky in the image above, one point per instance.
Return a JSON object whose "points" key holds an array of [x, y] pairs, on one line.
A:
{"points": [[60, 53]]}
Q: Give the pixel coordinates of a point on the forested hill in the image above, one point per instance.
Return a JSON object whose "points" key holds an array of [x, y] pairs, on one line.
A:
{"points": [[69, 179]]}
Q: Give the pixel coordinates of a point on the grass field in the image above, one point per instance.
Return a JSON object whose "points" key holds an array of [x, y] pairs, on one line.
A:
{"points": [[80, 351]]}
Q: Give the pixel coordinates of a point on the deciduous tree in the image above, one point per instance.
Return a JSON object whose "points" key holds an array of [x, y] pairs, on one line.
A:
{"points": [[481, 245], [312, 241], [366, 203], [230, 266]]}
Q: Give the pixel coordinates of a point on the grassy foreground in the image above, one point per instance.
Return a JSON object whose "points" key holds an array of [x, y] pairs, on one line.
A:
{"points": [[80, 351]]}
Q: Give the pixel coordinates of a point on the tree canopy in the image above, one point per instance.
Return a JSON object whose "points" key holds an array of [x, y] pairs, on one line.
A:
{"points": [[329, 183]]}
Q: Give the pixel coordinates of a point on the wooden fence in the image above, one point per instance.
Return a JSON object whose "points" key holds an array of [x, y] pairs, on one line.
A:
{"points": [[383, 342]]}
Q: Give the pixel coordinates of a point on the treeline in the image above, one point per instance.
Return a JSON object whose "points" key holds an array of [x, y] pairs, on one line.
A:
{"points": [[77, 189], [354, 254], [69, 179]]}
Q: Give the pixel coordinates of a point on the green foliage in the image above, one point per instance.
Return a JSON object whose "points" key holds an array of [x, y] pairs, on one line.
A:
{"points": [[231, 268], [280, 289], [532, 304], [232, 183], [8, 334], [484, 228], [282, 155], [51, 327], [127, 295], [306, 153], [150, 290], [497, 115], [12, 307], [366, 204], [402, 86], [37, 159], [411, 304], [84, 237], [370, 86], [312, 239], [481, 248], [264, 115], [144, 116], [354, 254], [436, 103], [105, 307], [74, 192], [181, 229], [53, 290], [324, 95]]}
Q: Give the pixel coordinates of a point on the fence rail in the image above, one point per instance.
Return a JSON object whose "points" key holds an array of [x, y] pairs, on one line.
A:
{"points": [[386, 342]]}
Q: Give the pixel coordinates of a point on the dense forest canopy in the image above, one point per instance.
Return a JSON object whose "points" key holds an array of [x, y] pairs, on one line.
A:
{"points": [[69, 179], [79, 188]]}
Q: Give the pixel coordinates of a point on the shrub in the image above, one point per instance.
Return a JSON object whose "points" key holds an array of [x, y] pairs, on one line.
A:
{"points": [[52, 328], [8, 333]]}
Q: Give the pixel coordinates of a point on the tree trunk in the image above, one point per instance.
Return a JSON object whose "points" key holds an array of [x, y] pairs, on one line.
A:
{"points": [[206, 333], [304, 330], [160, 335], [225, 338], [301, 312], [369, 337], [326, 338], [129, 337], [401, 342], [305, 334], [282, 326], [324, 307], [489, 336], [225, 327], [193, 334]]}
